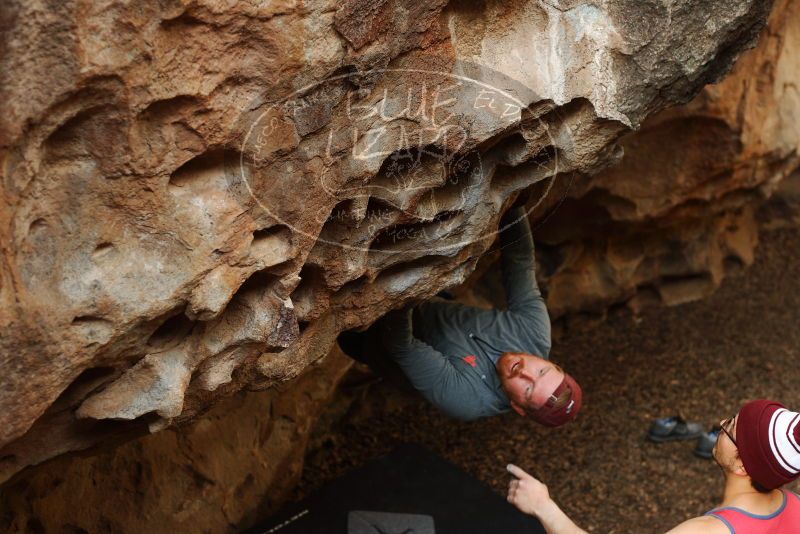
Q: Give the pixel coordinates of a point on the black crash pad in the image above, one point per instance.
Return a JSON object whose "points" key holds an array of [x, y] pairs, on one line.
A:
{"points": [[406, 485]]}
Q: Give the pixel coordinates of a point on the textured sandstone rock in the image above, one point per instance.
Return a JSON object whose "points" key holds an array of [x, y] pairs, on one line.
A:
{"points": [[665, 224], [751, 115], [198, 197], [227, 469]]}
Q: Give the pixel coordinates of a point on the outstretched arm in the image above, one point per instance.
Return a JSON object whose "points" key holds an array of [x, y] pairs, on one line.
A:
{"points": [[428, 370], [519, 277], [531, 497]]}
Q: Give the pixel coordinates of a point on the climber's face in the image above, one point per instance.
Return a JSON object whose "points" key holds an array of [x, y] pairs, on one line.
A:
{"points": [[529, 381]]}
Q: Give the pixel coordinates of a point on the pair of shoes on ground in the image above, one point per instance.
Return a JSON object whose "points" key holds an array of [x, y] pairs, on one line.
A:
{"points": [[676, 428]]}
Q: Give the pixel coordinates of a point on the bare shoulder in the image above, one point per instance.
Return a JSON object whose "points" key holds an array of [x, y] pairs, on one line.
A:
{"points": [[701, 525]]}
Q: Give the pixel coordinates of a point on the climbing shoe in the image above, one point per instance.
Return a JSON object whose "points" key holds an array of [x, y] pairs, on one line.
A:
{"points": [[673, 429], [706, 442]]}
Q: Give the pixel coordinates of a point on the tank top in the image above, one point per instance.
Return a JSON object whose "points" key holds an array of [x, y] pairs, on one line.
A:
{"points": [[784, 520]]}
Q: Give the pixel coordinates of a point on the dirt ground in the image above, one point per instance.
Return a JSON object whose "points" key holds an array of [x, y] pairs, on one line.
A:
{"points": [[701, 359]]}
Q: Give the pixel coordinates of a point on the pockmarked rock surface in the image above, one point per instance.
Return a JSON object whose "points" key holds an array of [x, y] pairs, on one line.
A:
{"points": [[198, 197]]}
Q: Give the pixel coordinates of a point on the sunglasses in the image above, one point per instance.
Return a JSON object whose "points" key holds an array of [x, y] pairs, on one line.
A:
{"points": [[726, 427]]}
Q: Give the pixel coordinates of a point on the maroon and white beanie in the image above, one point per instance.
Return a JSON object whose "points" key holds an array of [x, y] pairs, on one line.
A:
{"points": [[768, 439]]}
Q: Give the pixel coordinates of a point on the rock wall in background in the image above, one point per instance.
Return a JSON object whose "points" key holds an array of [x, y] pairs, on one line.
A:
{"points": [[679, 210], [197, 198]]}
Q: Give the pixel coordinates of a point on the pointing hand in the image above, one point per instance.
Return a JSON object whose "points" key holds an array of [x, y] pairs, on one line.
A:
{"points": [[527, 493]]}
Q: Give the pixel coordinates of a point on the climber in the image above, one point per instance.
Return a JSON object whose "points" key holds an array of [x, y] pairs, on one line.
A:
{"points": [[471, 362], [758, 451]]}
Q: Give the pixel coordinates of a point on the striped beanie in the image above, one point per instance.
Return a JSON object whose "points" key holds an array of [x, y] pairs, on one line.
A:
{"points": [[768, 439]]}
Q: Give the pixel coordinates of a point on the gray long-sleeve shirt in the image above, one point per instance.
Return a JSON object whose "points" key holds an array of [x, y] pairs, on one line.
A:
{"points": [[451, 359]]}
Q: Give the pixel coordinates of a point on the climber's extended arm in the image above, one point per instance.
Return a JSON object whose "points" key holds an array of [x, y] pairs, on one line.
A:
{"points": [[519, 276]]}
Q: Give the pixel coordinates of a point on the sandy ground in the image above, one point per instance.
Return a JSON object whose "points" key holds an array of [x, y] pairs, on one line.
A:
{"points": [[701, 359]]}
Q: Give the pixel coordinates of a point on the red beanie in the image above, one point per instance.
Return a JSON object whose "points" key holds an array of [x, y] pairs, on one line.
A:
{"points": [[768, 439]]}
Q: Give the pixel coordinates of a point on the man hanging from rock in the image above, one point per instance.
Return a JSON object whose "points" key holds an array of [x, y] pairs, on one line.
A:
{"points": [[471, 362]]}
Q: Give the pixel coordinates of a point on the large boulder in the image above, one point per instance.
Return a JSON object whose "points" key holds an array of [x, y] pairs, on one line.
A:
{"points": [[198, 197]]}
